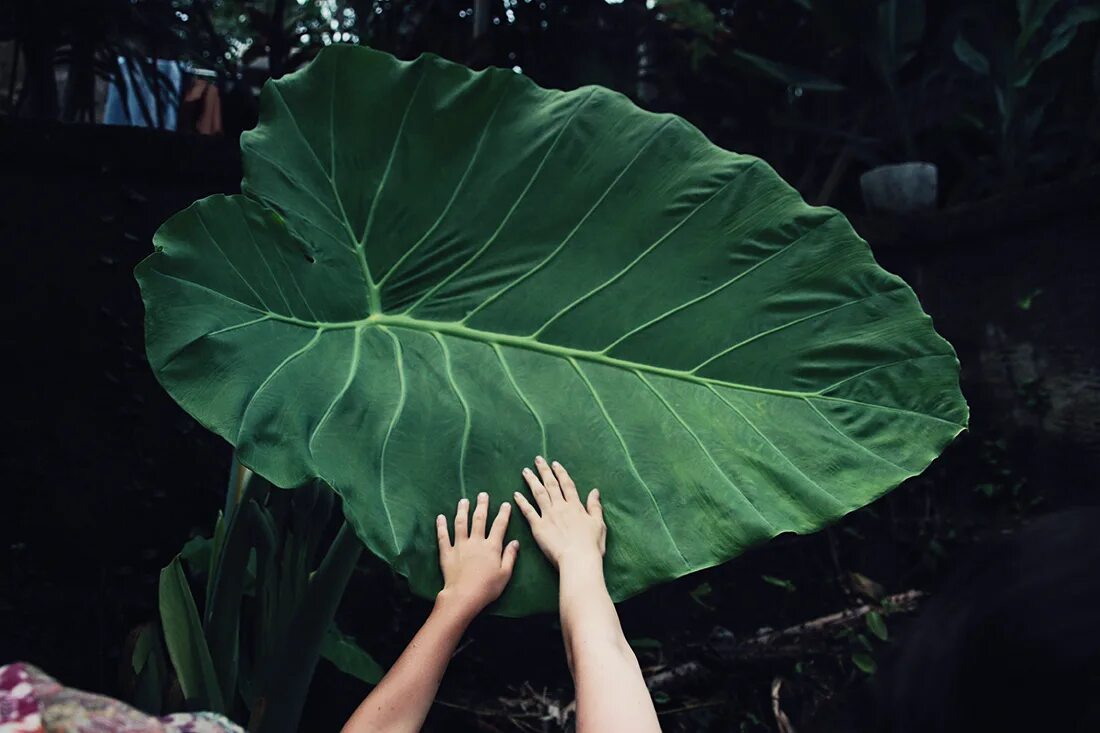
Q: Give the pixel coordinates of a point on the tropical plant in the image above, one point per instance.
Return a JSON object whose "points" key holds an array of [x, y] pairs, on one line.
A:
{"points": [[434, 274], [249, 649], [1006, 55]]}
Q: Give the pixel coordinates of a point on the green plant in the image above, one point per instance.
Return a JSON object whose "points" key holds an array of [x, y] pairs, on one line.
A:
{"points": [[435, 274], [1006, 55], [250, 647]]}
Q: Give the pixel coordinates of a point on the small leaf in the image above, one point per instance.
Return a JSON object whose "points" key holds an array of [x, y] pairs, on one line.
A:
{"points": [[877, 625], [865, 662], [149, 669], [1064, 32], [866, 587], [701, 591], [1025, 302], [970, 56], [350, 658], [778, 582]]}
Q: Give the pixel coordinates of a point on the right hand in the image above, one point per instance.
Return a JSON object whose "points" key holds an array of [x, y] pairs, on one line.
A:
{"points": [[564, 527]]}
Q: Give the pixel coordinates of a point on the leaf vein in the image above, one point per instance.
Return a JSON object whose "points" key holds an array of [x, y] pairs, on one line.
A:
{"points": [[454, 194], [267, 380], [708, 294], [783, 326], [854, 442], [630, 265], [295, 283], [507, 217], [389, 432], [527, 403], [772, 445], [859, 374], [267, 265], [320, 166], [629, 459], [554, 253], [202, 221], [464, 445], [699, 442], [352, 370]]}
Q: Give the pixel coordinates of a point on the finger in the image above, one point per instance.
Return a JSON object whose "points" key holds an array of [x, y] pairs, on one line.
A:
{"points": [[542, 496], [461, 518], [508, 559], [529, 513], [548, 479], [594, 507], [481, 511], [500, 524], [568, 488], [442, 535]]}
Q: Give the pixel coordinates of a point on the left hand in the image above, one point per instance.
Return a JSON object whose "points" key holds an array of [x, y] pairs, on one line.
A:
{"points": [[476, 568]]}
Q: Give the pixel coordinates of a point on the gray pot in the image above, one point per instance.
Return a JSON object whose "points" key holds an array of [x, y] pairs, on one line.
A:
{"points": [[899, 189]]}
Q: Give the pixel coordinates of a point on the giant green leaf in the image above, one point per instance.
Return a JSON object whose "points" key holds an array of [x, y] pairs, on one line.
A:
{"points": [[434, 274]]}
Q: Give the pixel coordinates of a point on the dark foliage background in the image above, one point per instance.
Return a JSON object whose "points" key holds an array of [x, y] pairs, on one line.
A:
{"points": [[105, 477]]}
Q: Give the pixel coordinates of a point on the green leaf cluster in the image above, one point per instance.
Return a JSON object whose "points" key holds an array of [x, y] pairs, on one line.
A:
{"points": [[250, 649]]}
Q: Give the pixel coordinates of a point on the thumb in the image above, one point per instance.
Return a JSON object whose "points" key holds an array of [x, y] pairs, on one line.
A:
{"points": [[508, 559], [594, 506]]}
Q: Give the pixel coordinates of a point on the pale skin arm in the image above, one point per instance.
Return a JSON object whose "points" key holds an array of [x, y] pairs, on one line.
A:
{"points": [[611, 693], [476, 568]]}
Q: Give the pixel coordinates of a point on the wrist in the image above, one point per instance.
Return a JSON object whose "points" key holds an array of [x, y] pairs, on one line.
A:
{"points": [[581, 562], [456, 605], [581, 578]]}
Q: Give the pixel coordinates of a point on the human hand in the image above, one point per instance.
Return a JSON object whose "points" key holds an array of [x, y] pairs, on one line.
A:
{"points": [[475, 567], [564, 527]]}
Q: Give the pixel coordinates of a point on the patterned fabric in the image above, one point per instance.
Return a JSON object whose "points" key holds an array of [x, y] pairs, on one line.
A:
{"points": [[33, 702]]}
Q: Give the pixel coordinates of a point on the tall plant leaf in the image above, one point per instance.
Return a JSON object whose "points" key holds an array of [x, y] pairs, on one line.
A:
{"points": [[350, 658], [179, 618], [435, 274]]}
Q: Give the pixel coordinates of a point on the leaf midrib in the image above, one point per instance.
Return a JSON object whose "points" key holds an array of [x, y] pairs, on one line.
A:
{"points": [[455, 328]]}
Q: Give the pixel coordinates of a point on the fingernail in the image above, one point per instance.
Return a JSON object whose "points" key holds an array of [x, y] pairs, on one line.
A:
{"points": [[483, 496], [556, 464], [463, 501], [540, 459], [505, 506], [526, 470], [440, 518]]}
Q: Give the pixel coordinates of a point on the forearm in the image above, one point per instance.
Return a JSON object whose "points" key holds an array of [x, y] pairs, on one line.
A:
{"points": [[611, 692], [400, 702]]}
